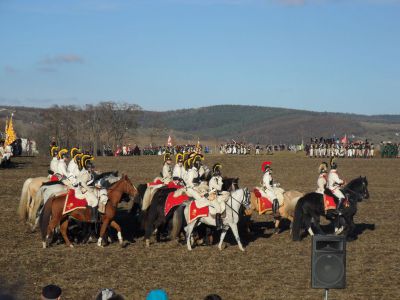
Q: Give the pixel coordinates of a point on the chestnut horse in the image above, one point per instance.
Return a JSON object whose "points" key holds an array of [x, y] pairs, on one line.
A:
{"points": [[286, 210], [54, 207]]}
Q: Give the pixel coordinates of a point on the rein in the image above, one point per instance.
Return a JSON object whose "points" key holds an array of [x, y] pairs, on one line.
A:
{"points": [[245, 193]]}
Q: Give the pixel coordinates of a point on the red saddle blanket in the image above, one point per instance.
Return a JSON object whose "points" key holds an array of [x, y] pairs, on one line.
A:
{"points": [[196, 212], [157, 182], [72, 203], [264, 204], [172, 201], [173, 185], [329, 202], [54, 178]]}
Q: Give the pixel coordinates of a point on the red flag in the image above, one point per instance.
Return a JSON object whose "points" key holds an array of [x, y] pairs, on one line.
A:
{"points": [[344, 139]]}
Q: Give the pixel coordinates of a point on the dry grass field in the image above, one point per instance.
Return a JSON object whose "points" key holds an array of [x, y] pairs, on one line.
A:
{"points": [[273, 267]]}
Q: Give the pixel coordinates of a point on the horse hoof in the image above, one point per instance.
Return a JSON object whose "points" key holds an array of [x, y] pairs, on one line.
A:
{"points": [[190, 249], [71, 246], [44, 245], [147, 243]]}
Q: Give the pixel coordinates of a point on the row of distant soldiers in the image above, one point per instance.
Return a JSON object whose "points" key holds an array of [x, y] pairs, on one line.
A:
{"points": [[390, 150], [349, 150], [160, 150]]}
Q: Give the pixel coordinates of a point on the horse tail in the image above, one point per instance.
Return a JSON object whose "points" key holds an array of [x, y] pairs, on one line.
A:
{"points": [[177, 221], [37, 201], [44, 218], [23, 202], [298, 220]]}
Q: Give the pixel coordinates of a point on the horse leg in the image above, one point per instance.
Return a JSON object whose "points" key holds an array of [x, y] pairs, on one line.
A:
{"points": [[103, 229], [222, 237], [115, 225], [63, 230], [316, 222], [189, 229], [236, 234], [50, 228], [277, 222], [307, 222]]}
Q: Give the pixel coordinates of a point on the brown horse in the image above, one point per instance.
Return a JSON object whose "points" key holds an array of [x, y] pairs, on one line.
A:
{"points": [[54, 208], [287, 205]]}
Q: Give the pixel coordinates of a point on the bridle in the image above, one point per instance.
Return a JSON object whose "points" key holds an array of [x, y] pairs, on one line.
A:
{"points": [[245, 196]]}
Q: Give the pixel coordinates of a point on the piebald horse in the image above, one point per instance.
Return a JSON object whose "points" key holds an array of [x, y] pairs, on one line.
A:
{"points": [[286, 209], [52, 216]]}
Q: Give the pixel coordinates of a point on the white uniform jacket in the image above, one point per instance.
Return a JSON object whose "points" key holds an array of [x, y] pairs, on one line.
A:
{"points": [[334, 182], [179, 171], [215, 183]]}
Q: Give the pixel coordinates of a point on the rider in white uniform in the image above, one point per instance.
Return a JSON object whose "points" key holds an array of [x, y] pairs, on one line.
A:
{"points": [[91, 192], [179, 172], [167, 168], [322, 178], [334, 184], [215, 186], [54, 160], [72, 165], [268, 186], [192, 177]]}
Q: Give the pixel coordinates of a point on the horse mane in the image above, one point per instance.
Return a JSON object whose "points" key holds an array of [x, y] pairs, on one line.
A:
{"points": [[105, 174], [356, 181]]}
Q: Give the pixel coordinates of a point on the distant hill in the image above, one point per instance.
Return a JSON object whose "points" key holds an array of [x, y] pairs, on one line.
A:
{"points": [[270, 125], [220, 123]]}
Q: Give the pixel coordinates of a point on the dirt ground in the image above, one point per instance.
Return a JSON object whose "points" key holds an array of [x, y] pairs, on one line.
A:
{"points": [[273, 267]]}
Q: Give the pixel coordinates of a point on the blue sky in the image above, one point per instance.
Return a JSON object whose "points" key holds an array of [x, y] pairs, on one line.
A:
{"points": [[322, 55]]}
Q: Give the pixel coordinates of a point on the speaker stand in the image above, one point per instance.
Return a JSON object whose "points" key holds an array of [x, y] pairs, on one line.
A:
{"points": [[326, 294]]}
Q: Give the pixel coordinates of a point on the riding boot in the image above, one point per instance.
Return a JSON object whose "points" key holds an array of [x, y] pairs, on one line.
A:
{"points": [[93, 214], [275, 207], [339, 206], [218, 221]]}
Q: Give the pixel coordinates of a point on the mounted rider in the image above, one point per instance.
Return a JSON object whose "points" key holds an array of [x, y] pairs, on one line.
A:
{"points": [[216, 179], [54, 160], [91, 191], [192, 177], [73, 165], [179, 172], [268, 185], [334, 184], [167, 168], [322, 178]]}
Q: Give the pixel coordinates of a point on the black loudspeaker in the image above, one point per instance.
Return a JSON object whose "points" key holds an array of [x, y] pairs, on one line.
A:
{"points": [[328, 262]]}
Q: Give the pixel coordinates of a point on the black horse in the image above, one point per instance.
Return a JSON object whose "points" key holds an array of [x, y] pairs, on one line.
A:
{"points": [[154, 217], [310, 208]]}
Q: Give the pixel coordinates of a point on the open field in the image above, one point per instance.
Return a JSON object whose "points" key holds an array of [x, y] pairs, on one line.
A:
{"points": [[273, 267]]}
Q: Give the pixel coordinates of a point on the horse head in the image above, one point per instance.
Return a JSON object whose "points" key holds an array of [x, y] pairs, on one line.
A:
{"points": [[359, 188]]}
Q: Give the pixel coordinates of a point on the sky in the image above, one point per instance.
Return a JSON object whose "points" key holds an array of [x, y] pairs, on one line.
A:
{"points": [[320, 55]]}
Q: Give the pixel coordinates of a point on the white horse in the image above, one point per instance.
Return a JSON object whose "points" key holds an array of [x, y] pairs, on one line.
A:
{"points": [[235, 200]]}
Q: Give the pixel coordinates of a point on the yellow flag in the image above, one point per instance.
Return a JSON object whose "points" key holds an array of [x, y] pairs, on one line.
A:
{"points": [[10, 133]]}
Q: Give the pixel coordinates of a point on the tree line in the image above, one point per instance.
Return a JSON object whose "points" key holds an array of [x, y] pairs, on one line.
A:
{"points": [[89, 127]]}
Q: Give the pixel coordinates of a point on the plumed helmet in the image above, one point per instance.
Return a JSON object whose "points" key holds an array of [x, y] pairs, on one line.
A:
{"points": [[186, 164], [216, 169], [323, 167], [78, 160], [179, 158], [167, 156], [333, 163], [62, 153], [266, 165], [74, 151], [54, 151], [86, 161]]}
